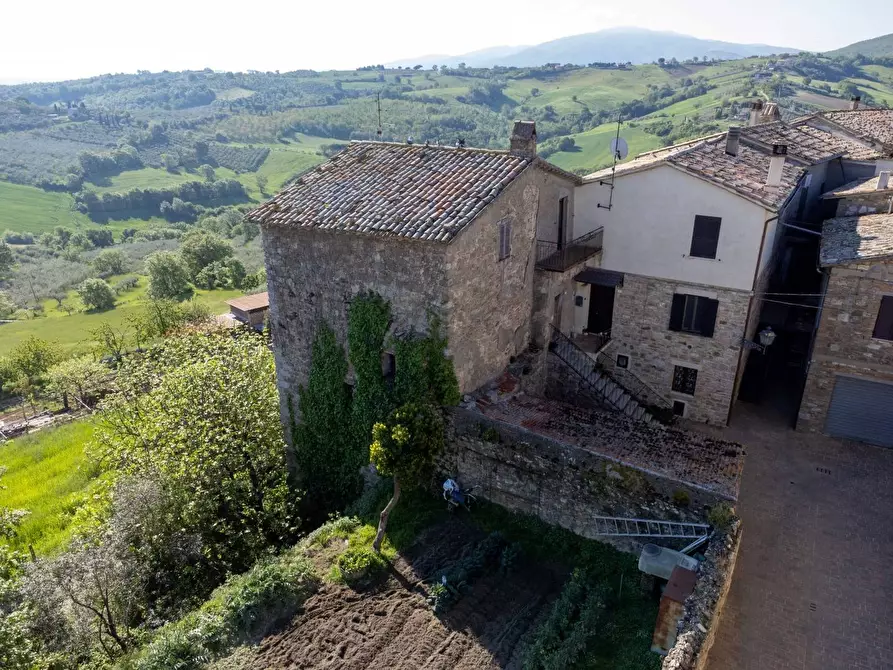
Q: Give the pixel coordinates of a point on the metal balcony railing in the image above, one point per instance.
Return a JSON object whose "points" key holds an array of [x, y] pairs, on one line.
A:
{"points": [[558, 258]]}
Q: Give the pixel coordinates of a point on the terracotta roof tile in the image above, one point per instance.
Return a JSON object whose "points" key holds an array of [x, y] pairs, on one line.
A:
{"points": [[857, 238], [858, 187], [873, 124], [744, 173], [414, 191], [811, 144]]}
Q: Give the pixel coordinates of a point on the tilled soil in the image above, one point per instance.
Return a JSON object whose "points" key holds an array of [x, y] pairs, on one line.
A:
{"points": [[392, 625]]}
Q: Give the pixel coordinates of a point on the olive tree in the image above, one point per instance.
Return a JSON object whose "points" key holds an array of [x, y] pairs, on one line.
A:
{"points": [[405, 447], [96, 294]]}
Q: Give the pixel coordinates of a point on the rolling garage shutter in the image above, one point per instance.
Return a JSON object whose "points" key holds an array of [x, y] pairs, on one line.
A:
{"points": [[861, 410]]}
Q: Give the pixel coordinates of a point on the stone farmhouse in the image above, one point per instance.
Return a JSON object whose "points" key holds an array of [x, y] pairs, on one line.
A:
{"points": [[642, 287], [849, 388], [450, 231]]}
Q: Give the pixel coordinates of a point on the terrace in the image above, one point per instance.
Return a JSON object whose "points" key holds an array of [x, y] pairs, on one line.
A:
{"points": [[559, 256]]}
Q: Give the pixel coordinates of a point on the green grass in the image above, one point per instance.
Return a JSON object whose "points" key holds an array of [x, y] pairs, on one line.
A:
{"points": [[147, 177], [47, 474], [75, 333], [30, 209], [594, 147]]}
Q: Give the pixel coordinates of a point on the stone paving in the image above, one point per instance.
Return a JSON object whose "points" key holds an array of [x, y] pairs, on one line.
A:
{"points": [[813, 587]]}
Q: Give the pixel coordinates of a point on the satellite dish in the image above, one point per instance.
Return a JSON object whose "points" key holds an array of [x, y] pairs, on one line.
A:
{"points": [[619, 148]]}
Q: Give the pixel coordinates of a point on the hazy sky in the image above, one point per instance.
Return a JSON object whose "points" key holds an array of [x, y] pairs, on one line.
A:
{"points": [[61, 39]]}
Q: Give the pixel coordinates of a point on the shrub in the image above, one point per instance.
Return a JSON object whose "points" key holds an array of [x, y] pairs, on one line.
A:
{"points": [[358, 563], [681, 498], [721, 516], [96, 294], [13, 237]]}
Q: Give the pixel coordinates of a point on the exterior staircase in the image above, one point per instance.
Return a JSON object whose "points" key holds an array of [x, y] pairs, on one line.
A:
{"points": [[611, 393]]}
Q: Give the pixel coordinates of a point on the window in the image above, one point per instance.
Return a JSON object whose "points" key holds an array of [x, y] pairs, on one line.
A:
{"points": [[693, 314], [678, 408], [684, 379], [505, 239], [705, 237], [883, 327], [623, 361]]}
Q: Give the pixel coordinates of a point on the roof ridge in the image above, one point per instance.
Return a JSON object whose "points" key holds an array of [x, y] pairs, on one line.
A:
{"points": [[445, 147]]}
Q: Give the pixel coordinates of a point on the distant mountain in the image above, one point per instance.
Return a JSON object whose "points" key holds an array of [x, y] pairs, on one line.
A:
{"points": [[879, 46], [479, 58], [635, 45]]}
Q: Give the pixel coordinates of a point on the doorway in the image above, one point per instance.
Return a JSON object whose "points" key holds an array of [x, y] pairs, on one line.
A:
{"points": [[601, 308]]}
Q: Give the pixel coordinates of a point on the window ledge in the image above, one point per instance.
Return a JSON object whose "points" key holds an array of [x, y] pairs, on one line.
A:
{"points": [[702, 258]]}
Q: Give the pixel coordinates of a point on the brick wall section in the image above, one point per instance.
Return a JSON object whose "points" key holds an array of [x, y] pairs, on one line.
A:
{"points": [[844, 343], [641, 320]]}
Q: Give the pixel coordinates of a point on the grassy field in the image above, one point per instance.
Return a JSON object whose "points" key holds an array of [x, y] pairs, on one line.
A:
{"points": [[594, 147], [74, 333], [147, 177], [47, 474], [30, 209]]}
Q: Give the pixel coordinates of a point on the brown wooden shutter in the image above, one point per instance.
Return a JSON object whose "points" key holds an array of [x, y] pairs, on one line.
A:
{"points": [[676, 311], [883, 327], [707, 309]]}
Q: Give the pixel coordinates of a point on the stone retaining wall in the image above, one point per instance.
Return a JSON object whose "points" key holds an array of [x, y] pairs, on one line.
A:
{"points": [[694, 638], [560, 483]]}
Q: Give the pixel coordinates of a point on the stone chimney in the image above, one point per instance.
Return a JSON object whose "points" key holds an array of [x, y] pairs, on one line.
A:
{"points": [[854, 101], [756, 109], [523, 141], [776, 164], [883, 180], [732, 139]]}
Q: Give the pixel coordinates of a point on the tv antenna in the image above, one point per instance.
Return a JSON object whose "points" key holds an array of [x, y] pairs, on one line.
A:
{"points": [[619, 150], [378, 102]]}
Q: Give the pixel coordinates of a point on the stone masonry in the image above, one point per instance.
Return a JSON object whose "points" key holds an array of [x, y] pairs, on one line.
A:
{"points": [[877, 202], [844, 344], [485, 303], [641, 320]]}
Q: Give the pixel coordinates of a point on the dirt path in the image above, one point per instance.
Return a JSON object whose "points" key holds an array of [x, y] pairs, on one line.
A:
{"points": [[393, 627]]}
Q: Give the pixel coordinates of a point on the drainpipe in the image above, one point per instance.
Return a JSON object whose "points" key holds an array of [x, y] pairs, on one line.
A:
{"points": [[739, 372]]}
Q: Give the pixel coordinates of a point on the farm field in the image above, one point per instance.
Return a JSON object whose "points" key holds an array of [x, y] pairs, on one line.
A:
{"points": [[74, 333], [391, 625], [47, 475], [30, 209]]}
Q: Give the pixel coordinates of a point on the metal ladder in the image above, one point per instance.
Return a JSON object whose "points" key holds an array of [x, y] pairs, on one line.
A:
{"points": [[622, 527]]}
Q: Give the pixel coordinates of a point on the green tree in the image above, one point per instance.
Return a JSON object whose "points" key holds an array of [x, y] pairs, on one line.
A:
{"points": [[32, 358], [207, 172], [201, 412], [7, 306], [7, 260], [405, 447], [96, 294], [110, 261], [201, 248], [80, 378], [261, 183], [168, 275]]}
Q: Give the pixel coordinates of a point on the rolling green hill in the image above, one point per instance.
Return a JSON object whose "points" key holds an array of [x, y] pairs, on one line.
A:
{"points": [[876, 47]]}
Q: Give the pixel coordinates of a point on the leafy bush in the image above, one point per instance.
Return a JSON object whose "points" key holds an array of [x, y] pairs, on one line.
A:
{"points": [[721, 516], [13, 237], [96, 294], [110, 261], [358, 563]]}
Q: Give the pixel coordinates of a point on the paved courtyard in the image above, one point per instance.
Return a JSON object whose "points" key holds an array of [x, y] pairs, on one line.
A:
{"points": [[813, 588]]}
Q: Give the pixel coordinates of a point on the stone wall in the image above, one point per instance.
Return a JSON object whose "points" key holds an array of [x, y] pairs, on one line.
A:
{"points": [[844, 343], [560, 483], [314, 274], [703, 609], [864, 203], [490, 301], [641, 330]]}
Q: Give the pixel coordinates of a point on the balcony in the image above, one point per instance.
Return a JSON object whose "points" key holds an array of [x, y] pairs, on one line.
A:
{"points": [[558, 258]]}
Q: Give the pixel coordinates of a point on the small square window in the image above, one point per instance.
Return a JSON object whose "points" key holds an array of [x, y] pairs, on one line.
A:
{"points": [[684, 379], [678, 408], [623, 361]]}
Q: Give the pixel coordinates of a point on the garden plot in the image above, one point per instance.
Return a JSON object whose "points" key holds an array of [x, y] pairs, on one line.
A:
{"points": [[392, 625]]}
